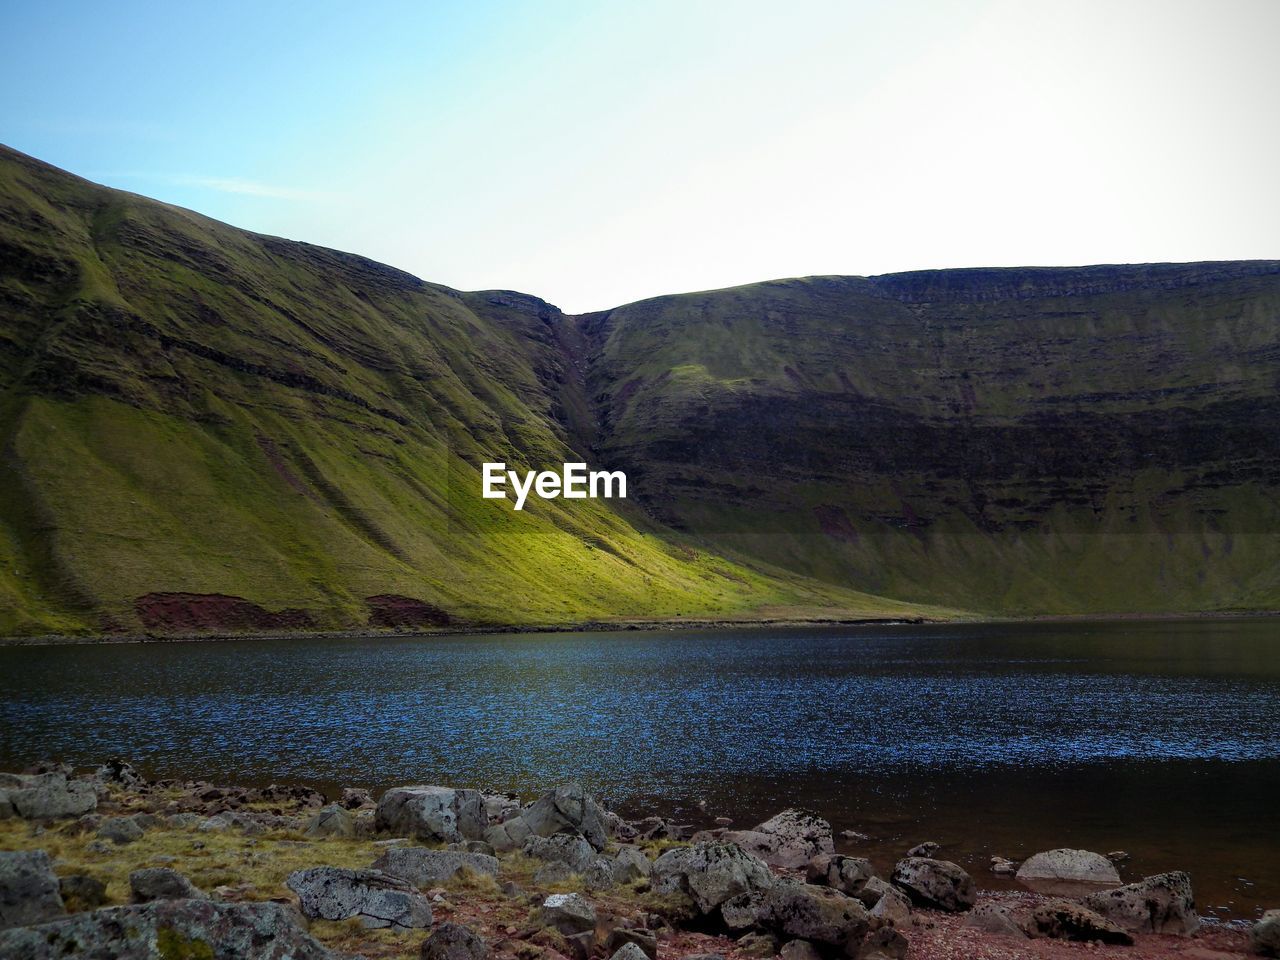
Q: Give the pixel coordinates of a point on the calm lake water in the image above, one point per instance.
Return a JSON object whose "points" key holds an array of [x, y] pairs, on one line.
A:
{"points": [[1162, 739]]}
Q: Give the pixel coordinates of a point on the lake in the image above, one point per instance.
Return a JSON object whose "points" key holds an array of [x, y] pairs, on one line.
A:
{"points": [[1158, 738]]}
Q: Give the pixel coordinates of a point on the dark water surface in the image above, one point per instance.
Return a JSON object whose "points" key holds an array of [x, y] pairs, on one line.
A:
{"points": [[1159, 738]]}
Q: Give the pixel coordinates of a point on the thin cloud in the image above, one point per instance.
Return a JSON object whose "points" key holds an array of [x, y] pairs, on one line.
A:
{"points": [[251, 188]]}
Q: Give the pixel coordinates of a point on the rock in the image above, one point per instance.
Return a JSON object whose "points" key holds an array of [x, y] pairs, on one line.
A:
{"points": [[1265, 935], [846, 874], [801, 910], [353, 798], [434, 814], [853, 836], [551, 874], [331, 821], [48, 796], [939, 884], [120, 772], [423, 867], [995, 918], [886, 943], [249, 826], [184, 821], [161, 883], [119, 830], [710, 873], [179, 929], [630, 951], [1003, 867], [758, 945], [1118, 856], [1159, 904], [1075, 866], [454, 941], [723, 822], [1065, 920], [28, 889], [657, 828], [598, 875], [790, 839], [562, 848], [799, 950], [892, 908], [567, 912], [926, 849], [508, 835], [378, 899], [473, 846], [646, 940], [500, 807], [630, 863], [567, 809], [82, 892]]}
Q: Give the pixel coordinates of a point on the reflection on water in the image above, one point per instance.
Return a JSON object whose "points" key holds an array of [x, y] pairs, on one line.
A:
{"points": [[1159, 738]]}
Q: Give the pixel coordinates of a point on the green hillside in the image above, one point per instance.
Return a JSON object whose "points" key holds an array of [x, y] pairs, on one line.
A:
{"points": [[204, 428]]}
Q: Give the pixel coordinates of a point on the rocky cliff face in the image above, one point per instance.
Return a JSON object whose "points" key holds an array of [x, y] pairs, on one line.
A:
{"points": [[198, 422]]}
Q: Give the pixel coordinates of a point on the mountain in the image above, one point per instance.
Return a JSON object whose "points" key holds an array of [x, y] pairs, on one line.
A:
{"points": [[203, 428]]}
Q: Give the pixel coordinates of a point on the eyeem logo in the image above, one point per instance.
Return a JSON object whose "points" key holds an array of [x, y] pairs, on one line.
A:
{"points": [[572, 483]]}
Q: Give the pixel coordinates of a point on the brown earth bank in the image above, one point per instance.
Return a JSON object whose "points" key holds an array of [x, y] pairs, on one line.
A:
{"points": [[108, 864]]}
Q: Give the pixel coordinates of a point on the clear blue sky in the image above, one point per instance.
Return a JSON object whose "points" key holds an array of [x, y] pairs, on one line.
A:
{"points": [[595, 153]]}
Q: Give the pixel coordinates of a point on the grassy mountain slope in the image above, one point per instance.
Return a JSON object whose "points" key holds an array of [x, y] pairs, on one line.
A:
{"points": [[1098, 439], [202, 427]]}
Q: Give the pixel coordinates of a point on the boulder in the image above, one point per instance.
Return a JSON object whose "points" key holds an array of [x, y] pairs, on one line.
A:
{"points": [[1160, 904], [790, 839], [995, 918], [802, 911], [332, 821], [846, 874], [434, 814], [799, 950], [422, 867], [561, 848], [892, 908], [1265, 935], [598, 874], [500, 807], [926, 849], [353, 798], [378, 899], [161, 883], [454, 941], [646, 940], [1073, 866], [508, 835], [202, 929], [758, 945], [629, 951], [552, 874], [568, 913], [28, 889], [120, 772], [710, 873], [48, 796], [119, 830], [567, 809], [886, 943], [1067, 920], [939, 884], [630, 863], [82, 892], [472, 846]]}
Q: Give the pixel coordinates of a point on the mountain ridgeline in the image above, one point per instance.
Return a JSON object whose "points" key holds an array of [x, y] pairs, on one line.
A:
{"points": [[205, 429]]}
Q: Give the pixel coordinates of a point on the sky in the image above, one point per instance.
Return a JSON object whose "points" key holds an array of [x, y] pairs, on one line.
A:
{"points": [[596, 153]]}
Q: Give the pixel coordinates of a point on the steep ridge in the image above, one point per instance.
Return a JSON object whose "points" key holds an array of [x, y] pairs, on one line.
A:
{"points": [[1064, 440], [204, 428]]}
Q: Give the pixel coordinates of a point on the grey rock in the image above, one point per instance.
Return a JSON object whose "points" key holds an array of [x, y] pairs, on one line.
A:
{"points": [[1265, 935], [1065, 864], [551, 874], [569, 913], [995, 918], [423, 867], [353, 798], [1066, 920], [508, 835], [886, 943], [454, 941], [82, 892], [567, 809], [378, 899], [28, 889], [49, 796], [803, 911], [710, 873], [119, 830], [1003, 867], [630, 951], [432, 813], [500, 807], [184, 821], [331, 821], [169, 928], [939, 884], [799, 950], [161, 883], [790, 839], [630, 863], [1162, 903], [758, 945], [473, 846], [892, 907], [926, 849], [119, 772], [846, 874], [646, 940], [562, 848], [598, 875]]}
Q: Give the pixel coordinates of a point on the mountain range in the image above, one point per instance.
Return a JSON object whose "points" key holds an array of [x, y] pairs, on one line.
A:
{"points": [[207, 429]]}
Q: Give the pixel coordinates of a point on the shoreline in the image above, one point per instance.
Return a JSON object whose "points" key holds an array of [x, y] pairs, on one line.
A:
{"points": [[620, 626]]}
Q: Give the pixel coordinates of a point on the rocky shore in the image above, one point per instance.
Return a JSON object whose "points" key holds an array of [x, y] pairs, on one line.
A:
{"points": [[107, 864]]}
